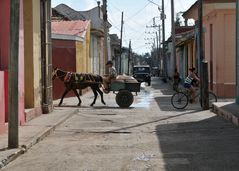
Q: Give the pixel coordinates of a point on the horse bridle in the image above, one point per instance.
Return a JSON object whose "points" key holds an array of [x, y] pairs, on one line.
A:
{"points": [[55, 74]]}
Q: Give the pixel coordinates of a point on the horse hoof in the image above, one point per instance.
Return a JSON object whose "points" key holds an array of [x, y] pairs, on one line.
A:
{"points": [[92, 105], [104, 103], [79, 104], [59, 104]]}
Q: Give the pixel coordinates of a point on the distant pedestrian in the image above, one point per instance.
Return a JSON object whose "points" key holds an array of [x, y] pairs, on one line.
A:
{"points": [[176, 80]]}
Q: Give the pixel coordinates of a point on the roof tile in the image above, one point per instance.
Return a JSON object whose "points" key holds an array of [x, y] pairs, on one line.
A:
{"points": [[73, 28]]}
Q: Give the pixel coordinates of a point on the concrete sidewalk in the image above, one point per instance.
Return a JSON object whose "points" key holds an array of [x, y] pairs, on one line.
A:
{"points": [[227, 110], [32, 132]]}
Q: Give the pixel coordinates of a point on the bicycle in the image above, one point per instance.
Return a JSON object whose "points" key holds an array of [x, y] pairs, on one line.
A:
{"points": [[180, 99]]}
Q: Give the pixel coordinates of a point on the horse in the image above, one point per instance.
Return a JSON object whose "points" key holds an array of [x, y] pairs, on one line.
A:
{"points": [[78, 81]]}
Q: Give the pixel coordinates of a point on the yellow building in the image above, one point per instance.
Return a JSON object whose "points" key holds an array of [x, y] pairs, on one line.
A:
{"points": [[37, 54]]}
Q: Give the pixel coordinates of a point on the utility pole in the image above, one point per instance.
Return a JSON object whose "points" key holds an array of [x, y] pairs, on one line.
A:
{"points": [[173, 35], [237, 52], [202, 63], [129, 57], [154, 54], [158, 39], [159, 50], [121, 36], [13, 133], [162, 17], [105, 18], [164, 55], [157, 47]]}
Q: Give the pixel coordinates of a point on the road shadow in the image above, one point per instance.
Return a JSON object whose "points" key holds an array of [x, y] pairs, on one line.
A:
{"points": [[4, 149], [68, 106], [210, 144], [112, 107], [164, 103], [92, 107], [150, 122]]}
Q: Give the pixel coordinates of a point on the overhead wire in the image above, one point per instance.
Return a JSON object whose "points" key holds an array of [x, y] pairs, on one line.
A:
{"points": [[127, 21]]}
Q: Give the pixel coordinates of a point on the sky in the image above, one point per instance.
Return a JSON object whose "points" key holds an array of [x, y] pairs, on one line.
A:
{"points": [[138, 14]]}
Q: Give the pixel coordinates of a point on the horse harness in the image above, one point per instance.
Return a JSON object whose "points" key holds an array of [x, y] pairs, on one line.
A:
{"points": [[79, 78]]}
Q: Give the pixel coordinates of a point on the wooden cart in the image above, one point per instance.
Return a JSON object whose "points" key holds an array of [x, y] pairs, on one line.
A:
{"points": [[124, 92]]}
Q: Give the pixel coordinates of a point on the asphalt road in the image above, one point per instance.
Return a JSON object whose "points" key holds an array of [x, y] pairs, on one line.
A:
{"points": [[150, 135]]}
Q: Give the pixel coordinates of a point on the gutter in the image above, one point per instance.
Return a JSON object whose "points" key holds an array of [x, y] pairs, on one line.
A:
{"points": [[67, 37]]}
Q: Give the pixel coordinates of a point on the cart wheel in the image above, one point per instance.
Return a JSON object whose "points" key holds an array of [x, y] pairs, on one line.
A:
{"points": [[124, 98]]}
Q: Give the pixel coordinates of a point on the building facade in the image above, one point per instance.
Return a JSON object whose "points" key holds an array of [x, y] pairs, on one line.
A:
{"points": [[4, 58], [34, 60], [219, 44], [37, 57], [185, 52], [71, 50], [95, 15]]}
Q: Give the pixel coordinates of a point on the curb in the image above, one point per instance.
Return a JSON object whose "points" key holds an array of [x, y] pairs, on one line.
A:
{"points": [[25, 147], [226, 115]]}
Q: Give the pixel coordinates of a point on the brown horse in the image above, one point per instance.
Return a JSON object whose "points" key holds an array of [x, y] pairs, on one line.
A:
{"points": [[75, 81]]}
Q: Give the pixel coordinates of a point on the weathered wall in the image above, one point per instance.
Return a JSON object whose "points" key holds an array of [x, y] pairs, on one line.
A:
{"points": [[21, 84], [32, 46], [83, 57], [222, 41], [88, 52], [80, 60], [4, 33], [4, 55], [2, 103], [94, 54], [63, 57]]}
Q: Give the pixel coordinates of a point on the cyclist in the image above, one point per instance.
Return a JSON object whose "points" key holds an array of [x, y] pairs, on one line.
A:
{"points": [[188, 83]]}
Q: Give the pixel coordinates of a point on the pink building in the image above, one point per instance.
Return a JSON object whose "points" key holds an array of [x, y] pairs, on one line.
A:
{"points": [[219, 20], [34, 60], [4, 53]]}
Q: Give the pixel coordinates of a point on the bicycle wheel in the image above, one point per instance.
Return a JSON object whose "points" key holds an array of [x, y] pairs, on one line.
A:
{"points": [[179, 100], [212, 99]]}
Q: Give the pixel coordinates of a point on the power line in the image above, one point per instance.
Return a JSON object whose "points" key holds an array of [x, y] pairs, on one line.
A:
{"points": [[114, 25], [139, 11], [128, 17], [138, 47]]}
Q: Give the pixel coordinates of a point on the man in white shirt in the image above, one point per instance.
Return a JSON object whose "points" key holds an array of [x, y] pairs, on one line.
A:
{"points": [[108, 78]]}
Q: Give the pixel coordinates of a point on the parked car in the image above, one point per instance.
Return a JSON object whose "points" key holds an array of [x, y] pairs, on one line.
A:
{"points": [[142, 73]]}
